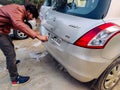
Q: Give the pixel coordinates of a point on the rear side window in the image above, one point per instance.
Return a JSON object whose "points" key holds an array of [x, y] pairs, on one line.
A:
{"points": [[95, 9]]}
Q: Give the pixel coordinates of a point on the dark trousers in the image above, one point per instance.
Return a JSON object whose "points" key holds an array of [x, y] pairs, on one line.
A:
{"points": [[7, 48]]}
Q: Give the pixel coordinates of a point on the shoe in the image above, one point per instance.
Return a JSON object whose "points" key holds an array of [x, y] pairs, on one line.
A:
{"points": [[17, 61], [20, 80]]}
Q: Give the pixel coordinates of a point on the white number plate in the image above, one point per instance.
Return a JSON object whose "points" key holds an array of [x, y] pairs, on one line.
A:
{"points": [[55, 39]]}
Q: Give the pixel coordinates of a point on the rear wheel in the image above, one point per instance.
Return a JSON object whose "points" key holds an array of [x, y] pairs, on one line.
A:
{"points": [[20, 35], [110, 77]]}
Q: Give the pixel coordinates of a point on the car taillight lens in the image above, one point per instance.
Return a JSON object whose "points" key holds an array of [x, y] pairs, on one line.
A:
{"points": [[99, 36]]}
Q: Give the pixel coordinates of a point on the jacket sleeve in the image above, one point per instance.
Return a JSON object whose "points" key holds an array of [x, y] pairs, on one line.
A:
{"points": [[18, 23]]}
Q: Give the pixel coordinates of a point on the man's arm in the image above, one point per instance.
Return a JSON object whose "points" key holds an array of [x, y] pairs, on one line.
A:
{"points": [[17, 22]]}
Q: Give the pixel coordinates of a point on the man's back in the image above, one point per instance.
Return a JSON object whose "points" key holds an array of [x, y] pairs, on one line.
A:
{"points": [[6, 13]]}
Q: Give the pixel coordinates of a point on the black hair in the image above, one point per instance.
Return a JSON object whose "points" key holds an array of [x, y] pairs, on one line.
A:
{"points": [[32, 8]]}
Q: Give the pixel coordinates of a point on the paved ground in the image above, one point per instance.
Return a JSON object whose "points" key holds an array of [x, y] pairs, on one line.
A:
{"points": [[45, 73]]}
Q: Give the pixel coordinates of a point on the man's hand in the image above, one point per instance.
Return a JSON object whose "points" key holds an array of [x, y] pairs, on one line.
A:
{"points": [[42, 38]]}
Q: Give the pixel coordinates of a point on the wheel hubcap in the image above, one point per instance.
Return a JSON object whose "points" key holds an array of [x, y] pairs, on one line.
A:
{"points": [[21, 34], [112, 77]]}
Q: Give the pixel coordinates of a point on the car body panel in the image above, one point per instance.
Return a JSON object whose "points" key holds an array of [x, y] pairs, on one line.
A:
{"points": [[113, 46], [33, 23]]}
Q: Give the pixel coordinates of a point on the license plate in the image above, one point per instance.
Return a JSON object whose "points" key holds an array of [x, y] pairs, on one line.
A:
{"points": [[55, 39]]}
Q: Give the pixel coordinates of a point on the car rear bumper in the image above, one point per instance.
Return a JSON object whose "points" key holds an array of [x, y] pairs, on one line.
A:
{"points": [[83, 64]]}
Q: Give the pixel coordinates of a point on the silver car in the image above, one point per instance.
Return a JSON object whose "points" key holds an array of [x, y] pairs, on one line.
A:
{"points": [[86, 44]]}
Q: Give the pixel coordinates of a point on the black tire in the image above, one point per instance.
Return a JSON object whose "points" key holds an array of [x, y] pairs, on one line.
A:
{"points": [[110, 77], [20, 35]]}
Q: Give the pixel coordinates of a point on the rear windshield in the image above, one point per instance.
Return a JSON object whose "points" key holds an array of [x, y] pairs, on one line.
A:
{"points": [[95, 9]]}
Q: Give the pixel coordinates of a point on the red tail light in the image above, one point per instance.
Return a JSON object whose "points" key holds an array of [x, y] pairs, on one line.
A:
{"points": [[98, 37]]}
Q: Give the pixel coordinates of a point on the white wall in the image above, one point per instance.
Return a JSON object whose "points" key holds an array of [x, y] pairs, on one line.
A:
{"points": [[114, 10]]}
